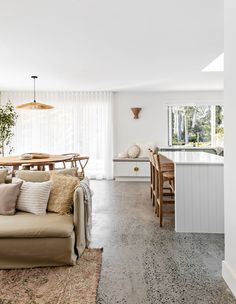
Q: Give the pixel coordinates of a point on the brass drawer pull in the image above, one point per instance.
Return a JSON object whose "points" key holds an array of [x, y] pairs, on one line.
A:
{"points": [[136, 169]]}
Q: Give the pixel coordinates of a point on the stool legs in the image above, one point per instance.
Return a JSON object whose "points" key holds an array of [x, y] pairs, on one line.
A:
{"points": [[151, 176]]}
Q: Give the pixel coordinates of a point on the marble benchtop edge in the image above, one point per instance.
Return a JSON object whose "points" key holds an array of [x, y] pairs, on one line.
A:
{"points": [[193, 158]]}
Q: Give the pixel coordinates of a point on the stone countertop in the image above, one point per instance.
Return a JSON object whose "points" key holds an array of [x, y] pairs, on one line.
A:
{"points": [[187, 148]]}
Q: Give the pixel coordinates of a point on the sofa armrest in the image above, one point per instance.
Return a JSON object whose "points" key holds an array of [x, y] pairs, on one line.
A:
{"points": [[79, 221]]}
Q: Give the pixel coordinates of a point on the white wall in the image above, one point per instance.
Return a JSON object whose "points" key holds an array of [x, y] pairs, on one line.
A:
{"points": [[153, 123], [229, 265]]}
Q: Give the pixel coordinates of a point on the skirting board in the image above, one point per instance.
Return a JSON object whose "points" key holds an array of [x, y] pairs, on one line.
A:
{"points": [[229, 276]]}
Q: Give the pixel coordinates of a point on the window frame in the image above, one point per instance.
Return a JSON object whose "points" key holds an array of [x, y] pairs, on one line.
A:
{"points": [[184, 104]]}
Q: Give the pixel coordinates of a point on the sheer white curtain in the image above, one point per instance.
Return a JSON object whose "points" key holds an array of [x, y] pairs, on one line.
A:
{"points": [[80, 122]]}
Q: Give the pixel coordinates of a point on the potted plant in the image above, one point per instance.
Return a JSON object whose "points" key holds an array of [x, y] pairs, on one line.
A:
{"points": [[8, 118]]}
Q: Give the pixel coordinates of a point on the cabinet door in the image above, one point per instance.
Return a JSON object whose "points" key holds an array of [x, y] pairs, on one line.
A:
{"points": [[125, 169], [143, 169]]}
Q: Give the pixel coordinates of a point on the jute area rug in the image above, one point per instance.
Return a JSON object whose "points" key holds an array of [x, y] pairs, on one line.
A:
{"points": [[53, 285]]}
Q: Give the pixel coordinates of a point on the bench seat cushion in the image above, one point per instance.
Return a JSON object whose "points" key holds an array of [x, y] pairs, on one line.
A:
{"points": [[26, 225]]}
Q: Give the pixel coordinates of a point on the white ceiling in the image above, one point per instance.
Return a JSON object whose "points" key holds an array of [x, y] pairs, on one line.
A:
{"points": [[110, 44]]}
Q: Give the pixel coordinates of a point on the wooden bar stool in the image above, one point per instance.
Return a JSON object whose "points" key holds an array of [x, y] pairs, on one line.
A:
{"points": [[166, 165], [164, 175]]}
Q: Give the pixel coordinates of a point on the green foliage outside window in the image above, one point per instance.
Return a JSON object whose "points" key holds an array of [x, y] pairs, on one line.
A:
{"points": [[196, 125]]}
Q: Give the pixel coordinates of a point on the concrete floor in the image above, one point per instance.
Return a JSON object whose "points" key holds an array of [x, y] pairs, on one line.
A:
{"points": [[145, 264]]}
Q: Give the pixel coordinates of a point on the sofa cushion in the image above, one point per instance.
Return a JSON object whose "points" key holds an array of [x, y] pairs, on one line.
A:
{"points": [[26, 225], [43, 176], [66, 171], [33, 176], [33, 197], [3, 175], [8, 196], [133, 151], [62, 191]]}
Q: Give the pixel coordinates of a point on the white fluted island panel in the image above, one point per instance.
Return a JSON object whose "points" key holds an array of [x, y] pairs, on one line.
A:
{"points": [[199, 191]]}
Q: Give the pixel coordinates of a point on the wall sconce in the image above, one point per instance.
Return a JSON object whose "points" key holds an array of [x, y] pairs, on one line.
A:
{"points": [[136, 112]]}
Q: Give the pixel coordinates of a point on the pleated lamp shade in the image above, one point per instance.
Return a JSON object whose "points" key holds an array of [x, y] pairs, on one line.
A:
{"points": [[34, 106]]}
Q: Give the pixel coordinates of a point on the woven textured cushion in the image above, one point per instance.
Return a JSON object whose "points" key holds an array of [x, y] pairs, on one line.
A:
{"points": [[133, 151], [33, 197], [43, 176], [69, 171], [8, 197], [62, 191], [33, 176], [3, 175]]}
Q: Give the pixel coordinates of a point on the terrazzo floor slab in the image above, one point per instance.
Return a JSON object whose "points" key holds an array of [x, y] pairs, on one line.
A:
{"points": [[146, 264]]}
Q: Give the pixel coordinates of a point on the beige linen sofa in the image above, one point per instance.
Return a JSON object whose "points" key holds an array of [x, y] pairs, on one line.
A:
{"points": [[28, 240]]}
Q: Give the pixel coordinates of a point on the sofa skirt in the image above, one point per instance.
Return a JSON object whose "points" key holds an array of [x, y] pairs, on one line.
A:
{"points": [[37, 252]]}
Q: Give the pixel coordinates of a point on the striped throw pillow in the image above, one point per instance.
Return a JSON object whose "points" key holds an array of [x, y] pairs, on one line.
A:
{"points": [[34, 197]]}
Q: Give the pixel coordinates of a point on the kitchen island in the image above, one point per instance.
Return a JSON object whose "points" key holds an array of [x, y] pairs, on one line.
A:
{"points": [[199, 191]]}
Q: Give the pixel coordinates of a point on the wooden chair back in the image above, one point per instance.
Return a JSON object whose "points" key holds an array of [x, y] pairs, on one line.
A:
{"points": [[71, 161]]}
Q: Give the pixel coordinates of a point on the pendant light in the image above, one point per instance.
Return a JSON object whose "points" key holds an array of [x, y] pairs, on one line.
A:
{"points": [[34, 105]]}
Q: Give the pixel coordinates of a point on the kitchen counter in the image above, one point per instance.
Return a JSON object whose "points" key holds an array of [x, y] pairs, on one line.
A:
{"points": [[199, 191], [192, 158]]}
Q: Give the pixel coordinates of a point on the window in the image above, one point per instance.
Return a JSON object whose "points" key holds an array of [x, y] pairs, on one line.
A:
{"points": [[80, 122], [196, 125]]}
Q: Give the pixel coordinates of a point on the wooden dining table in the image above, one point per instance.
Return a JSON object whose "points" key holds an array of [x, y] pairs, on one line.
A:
{"points": [[16, 161]]}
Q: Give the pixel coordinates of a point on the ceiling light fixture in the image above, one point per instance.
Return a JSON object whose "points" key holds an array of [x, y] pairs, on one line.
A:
{"points": [[34, 105]]}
